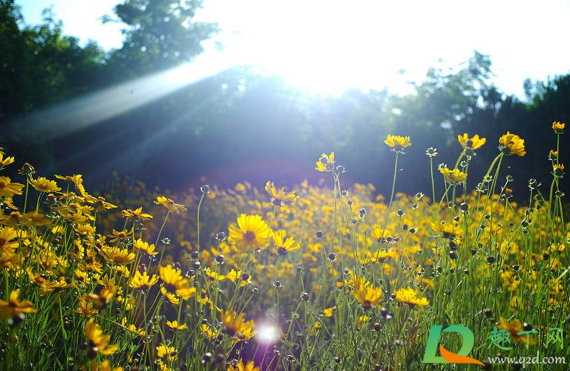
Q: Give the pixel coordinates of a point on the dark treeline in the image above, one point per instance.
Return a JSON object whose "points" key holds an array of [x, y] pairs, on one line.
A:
{"points": [[240, 125]]}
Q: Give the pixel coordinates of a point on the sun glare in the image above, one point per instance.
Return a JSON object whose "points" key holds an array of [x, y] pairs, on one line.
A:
{"points": [[267, 334], [328, 46]]}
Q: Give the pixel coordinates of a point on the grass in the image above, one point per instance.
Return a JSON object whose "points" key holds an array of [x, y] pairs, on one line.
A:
{"points": [[315, 278]]}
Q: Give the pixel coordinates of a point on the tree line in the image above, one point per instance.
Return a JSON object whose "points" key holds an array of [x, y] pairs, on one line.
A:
{"points": [[241, 125]]}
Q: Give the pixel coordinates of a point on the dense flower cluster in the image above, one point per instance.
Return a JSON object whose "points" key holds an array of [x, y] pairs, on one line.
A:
{"points": [[307, 278]]}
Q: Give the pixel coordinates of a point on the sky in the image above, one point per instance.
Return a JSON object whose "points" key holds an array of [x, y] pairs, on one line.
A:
{"points": [[327, 46]]}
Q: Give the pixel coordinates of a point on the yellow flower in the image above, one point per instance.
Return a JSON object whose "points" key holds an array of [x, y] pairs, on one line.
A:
{"points": [[448, 230], [368, 296], [362, 320], [58, 285], [398, 143], [86, 308], [454, 176], [98, 339], [241, 367], [213, 275], [163, 351], [176, 326], [117, 255], [42, 184], [279, 196], [355, 282], [284, 246], [513, 328], [85, 229], [175, 283], [471, 143], [14, 307], [512, 144], [143, 281], [101, 300], [558, 170], [7, 243], [251, 232], [170, 205], [149, 249], [135, 214], [211, 334], [329, 312], [172, 298], [234, 276], [558, 127], [104, 366], [410, 296], [381, 235], [120, 236], [325, 162], [5, 161], [76, 179], [237, 326], [9, 189], [132, 328], [100, 203]]}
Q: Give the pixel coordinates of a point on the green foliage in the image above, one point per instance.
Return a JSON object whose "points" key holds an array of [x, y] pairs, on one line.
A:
{"points": [[159, 34]]}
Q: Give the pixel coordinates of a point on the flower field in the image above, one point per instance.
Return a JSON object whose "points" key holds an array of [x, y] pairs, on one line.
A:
{"points": [[316, 277]]}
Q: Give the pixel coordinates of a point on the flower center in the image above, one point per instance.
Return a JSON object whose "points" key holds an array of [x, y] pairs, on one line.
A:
{"points": [[249, 236]]}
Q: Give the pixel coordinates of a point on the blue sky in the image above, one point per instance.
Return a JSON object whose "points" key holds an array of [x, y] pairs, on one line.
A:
{"points": [[327, 46]]}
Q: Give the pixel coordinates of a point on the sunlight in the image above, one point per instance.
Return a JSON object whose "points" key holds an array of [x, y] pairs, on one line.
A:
{"points": [[107, 103], [267, 334], [328, 48]]}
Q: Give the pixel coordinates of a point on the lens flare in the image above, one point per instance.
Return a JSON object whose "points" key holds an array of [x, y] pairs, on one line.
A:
{"points": [[267, 334]]}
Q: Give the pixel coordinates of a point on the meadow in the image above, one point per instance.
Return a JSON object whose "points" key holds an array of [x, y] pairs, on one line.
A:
{"points": [[317, 277]]}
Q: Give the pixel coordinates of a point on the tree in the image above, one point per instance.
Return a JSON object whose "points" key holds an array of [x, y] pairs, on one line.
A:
{"points": [[159, 34]]}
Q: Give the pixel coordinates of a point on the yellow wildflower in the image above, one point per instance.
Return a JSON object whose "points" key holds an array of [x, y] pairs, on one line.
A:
{"points": [[558, 127], [43, 184], [237, 326], [9, 189], [244, 367], [164, 351], [143, 281], [251, 232], [14, 307], [368, 296], [410, 296], [454, 176], [398, 143], [170, 205], [98, 340], [325, 162], [117, 255], [280, 196], [471, 143], [149, 249], [283, 245], [176, 326], [512, 144]]}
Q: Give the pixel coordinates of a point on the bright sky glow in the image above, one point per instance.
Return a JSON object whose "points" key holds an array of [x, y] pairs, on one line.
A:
{"points": [[327, 46]]}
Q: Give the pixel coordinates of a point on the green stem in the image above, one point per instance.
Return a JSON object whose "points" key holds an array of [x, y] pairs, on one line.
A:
{"points": [[198, 220], [432, 181]]}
